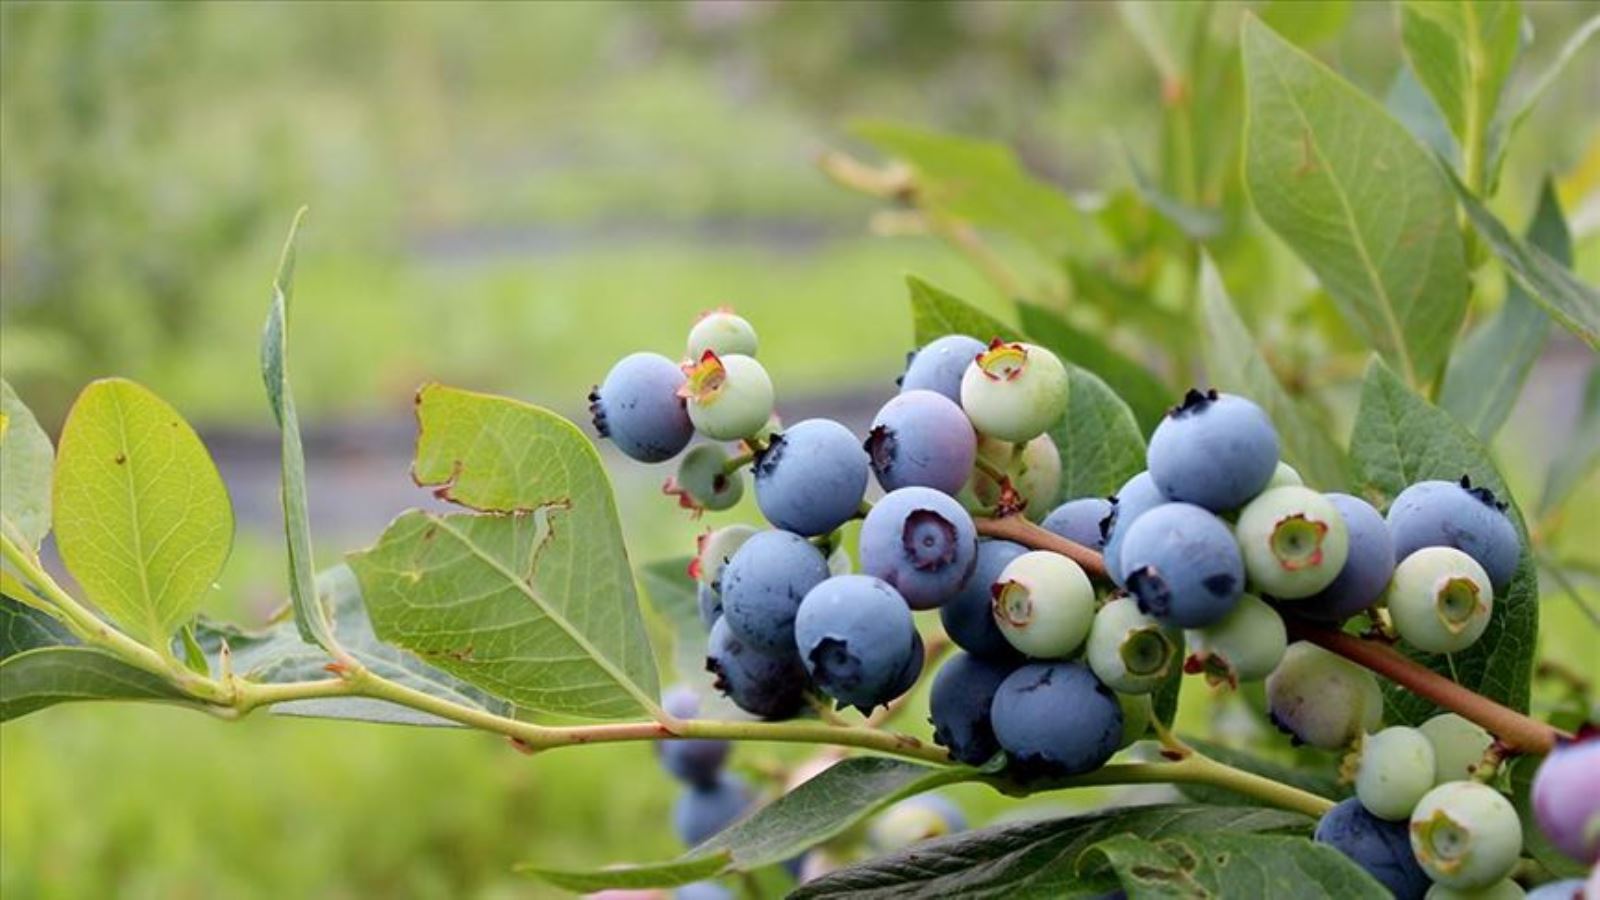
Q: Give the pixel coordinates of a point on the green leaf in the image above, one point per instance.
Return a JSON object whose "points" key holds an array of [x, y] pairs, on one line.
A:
{"points": [[1575, 305], [1304, 23], [1144, 393], [819, 809], [23, 627], [1036, 859], [36, 679], [533, 602], [936, 313], [1322, 782], [1199, 223], [1234, 364], [1487, 371], [1170, 33], [1235, 865], [310, 618], [674, 595], [1398, 440], [1408, 101], [26, 458], [141, 515], [1534, 843], [1512, 115], [1462, 51], [1580, 455], [1358, 199]]}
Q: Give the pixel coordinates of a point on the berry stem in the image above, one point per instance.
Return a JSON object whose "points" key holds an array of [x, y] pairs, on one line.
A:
{"points": [[1018, 529], [735, 463], [1195, 768]]}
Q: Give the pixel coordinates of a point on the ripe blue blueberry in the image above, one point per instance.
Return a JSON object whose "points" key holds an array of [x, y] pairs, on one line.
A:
{"points": [[1213, 450], [1293, 540], [722, 332], [959, 703], [1458, 746], [1044, 605], [1466, 835], [1367, 566], [1129, 651], [856, 638], [811, 477], [939, 365], [1079, 521], [764, 583], [1322, 699], [1448, 514], [728, 397], [915, 819], [703, 481], [1137, 496], [1440, 600], [968, 616], [1566, 799], [698, 761], [700, 813], [1182, 564], [766, 684], [922, 439], [1246, 645], [1013, 391], [1032, 721], [1382, 848], [1396, 769], [1032, 470], [639, 408], [922, 543]]}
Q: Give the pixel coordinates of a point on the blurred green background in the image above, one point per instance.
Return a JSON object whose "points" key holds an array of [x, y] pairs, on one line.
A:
{"points": [[508, 198]]}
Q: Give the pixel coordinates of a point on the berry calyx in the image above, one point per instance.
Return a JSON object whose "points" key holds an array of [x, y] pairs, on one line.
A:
{"points": [[1130, 651], [1466, 835]]}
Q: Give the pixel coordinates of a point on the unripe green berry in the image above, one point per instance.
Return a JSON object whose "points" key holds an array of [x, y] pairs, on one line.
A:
{"points": [[1285, 475], [1034, 470], [1293, 540], [1504, 889], [1014, 392], [1322, 699], [1466, 835], [1245, 646], [1128, 650], [714, 550], [1458, 746], [1396, 770], [1440, 600], [1044, 604], [729, 397], [703, 481], [722, 332]]}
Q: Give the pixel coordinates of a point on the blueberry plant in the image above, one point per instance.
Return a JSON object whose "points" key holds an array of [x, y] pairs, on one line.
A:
{"points": [[1047, 530]]}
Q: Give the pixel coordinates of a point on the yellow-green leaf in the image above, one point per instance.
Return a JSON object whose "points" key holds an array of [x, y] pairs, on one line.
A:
{"points": [[141, 516]]}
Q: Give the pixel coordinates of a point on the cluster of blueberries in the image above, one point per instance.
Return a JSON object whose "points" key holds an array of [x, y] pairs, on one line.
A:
{"points": [[1206, 548]]}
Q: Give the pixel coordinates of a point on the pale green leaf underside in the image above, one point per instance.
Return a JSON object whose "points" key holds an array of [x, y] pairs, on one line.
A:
{"points": [[1358, 199], [141, 515], [533, 602], [43, 677], [26, 458], [1204, 864], [1234, 364], [1398, 440]]}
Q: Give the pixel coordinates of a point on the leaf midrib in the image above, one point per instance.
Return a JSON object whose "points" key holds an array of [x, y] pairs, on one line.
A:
{"points": [[140, 563]]}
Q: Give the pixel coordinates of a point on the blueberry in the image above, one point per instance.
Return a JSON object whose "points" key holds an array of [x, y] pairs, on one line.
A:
{"points": [[1044, 604], [1056, 719], [710, 604], [700, 813], [939, 365], [1367, 566], [728, 397], [1458, 746], [958, 706], [1396, 770], [639, 408], [766, 684], [1566, 799], [1079, 521], [1466, 835], [1284, 476], [914, 819], [713, 550], [1504, 889], [811, 477], [764, 584], [702, 890], [696, 761], [1182, 564], [856, 637], [1129, 651], [1382, 848], [922, 439], [922, 543], [1137, 496], [722, 332], [1470, 519], [1246, 645], [968, 616], [1033, 470], [1567, 889], [1440, 600], [703, 481], [1213, 450], [1322, 699], [1293, 540], [1014, 391]]}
